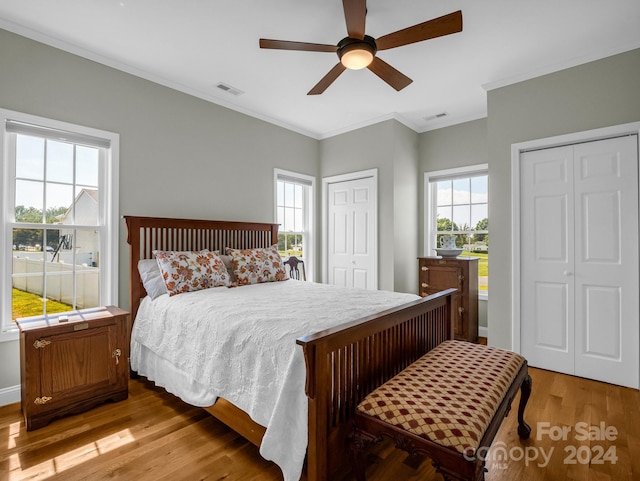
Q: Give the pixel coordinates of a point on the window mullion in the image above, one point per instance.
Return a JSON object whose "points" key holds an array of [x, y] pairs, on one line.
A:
{"points": [[44, 183]]}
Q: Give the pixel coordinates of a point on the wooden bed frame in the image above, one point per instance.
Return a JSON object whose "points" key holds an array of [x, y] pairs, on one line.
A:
{"points": [[343, 364]]}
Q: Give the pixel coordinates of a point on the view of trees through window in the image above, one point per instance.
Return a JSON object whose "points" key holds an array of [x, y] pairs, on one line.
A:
{"points": [[462, 210]]}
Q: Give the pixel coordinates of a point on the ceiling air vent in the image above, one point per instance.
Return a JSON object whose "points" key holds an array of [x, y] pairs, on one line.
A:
{"points": [[229, 89], [435, 116]]}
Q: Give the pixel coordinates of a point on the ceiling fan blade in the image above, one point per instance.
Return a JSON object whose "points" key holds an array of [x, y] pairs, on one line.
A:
{"points": [[288, 45], [327, 80], [438, 27], [355, 12], [386, 72]]}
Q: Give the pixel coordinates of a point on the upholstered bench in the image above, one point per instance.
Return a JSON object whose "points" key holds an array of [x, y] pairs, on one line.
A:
{"points": [[448, 405]]}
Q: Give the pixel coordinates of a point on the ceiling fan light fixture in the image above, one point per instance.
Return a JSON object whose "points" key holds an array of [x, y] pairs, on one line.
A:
{"points": [[357, 59], [356, 54]]}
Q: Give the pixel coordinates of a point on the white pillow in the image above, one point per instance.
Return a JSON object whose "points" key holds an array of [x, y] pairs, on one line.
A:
{"points": [[151, 278], [229, 265]]}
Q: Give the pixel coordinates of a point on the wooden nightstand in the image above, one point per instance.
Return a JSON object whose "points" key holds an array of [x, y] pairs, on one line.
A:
{"points": [[70, 366], [439, 273]]}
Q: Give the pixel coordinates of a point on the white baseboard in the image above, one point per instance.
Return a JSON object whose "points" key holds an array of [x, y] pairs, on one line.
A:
{"points": [[483, 331], [9, 395]]}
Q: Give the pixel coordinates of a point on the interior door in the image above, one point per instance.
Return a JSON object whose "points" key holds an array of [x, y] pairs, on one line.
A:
{"points": [[579, 268], [351, 257], [547, 319], [606, 252]]}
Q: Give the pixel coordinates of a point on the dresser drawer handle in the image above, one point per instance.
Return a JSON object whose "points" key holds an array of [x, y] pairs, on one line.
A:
{"points": [[425, 268], [42, 400], [424, 284]]}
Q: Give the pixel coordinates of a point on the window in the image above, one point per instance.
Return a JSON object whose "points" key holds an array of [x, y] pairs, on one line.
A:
{"points": [[59, 217], [294, 213], [457, 203]]}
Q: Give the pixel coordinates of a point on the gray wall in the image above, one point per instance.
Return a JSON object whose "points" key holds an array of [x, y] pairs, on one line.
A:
{"points": [[593, 95], [391, 148], [405, 210], [179, 156]]}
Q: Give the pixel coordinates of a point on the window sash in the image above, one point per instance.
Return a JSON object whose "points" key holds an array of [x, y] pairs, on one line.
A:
{"points": [[106, 229], [304, 207]]}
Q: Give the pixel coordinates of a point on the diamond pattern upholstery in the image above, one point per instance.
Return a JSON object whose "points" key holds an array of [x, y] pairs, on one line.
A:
{"points": [[449, 395]]}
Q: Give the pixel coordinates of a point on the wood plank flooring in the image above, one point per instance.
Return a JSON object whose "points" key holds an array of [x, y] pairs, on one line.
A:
{"points": [[154, 436]]}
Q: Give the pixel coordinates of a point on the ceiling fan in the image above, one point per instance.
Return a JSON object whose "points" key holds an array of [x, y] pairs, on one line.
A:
{"points": [[357, 50]]}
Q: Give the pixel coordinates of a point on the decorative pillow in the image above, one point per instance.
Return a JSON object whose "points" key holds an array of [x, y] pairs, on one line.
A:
{"points": [[188, 271], [151, 278], [254, 266]]}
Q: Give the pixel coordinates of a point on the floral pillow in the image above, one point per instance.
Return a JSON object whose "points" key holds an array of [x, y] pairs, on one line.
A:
{"points": [[254, 266], [188, 271]]}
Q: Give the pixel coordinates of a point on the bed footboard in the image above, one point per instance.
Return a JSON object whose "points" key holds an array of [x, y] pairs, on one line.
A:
{"points": [[346, 363]]}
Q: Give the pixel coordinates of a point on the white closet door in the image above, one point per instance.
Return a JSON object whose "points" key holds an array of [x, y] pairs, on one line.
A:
{"points": [[547, 318], [579, 268], [606, 252]]}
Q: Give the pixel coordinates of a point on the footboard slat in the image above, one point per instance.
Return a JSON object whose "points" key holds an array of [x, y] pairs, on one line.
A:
{"points": [[345, 364]]}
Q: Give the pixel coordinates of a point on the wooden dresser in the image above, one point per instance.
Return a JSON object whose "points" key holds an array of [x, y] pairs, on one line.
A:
{"points": [[439, 273], [70, 365]]}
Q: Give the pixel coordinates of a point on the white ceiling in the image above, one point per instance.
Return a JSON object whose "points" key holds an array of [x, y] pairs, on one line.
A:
{"points": [[192, 45]]}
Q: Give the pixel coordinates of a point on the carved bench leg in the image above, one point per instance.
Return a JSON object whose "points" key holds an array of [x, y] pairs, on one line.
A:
{"points": [[359, 442], [524, 430]]}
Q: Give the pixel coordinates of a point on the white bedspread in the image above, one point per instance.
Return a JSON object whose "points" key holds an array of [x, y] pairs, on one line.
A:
{"points": [[240, 344]]}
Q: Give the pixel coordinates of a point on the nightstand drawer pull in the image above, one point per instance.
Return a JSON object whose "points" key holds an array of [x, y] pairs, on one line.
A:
{"points": [[80, 327], [116, 353], [425, 268], [38, 343], [42, 400]]}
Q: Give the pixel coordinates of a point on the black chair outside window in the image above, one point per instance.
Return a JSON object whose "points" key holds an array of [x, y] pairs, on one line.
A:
{"points": [[296, 268]]}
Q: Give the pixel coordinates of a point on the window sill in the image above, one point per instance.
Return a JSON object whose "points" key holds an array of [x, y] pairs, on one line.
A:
{"points": [[11, 334]]}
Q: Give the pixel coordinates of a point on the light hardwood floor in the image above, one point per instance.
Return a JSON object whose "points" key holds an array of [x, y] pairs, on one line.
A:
{"points": [[154, 436]]}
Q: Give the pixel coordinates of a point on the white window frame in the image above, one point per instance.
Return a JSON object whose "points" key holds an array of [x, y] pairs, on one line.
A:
{"points": [[109, 214], [430, 204], [308, 214]]}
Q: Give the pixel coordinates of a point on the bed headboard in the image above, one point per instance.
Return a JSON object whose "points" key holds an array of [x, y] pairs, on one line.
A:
{"points": [[146, 234]]}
